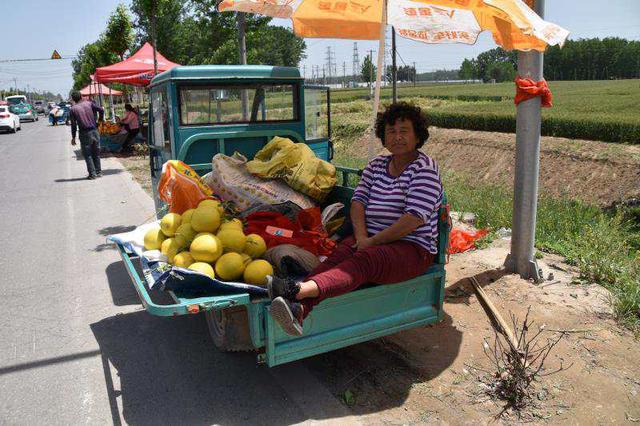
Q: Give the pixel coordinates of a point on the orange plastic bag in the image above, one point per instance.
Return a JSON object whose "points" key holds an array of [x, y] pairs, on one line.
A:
{"points": [[181, 187], [527, 88], [461, 241]]}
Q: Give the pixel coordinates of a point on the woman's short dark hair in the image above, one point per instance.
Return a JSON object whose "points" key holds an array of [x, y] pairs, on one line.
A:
{"points": [[128, 107], [403, 111]]}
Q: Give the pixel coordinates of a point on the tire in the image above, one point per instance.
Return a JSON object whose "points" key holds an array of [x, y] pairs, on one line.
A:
{"points": [[229, 329], [13, 130], [37, 118]]}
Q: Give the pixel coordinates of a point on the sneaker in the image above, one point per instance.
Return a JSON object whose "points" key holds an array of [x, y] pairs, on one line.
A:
{"points": [[288, 314], [282, 287], [99, 174], [91, 177]]}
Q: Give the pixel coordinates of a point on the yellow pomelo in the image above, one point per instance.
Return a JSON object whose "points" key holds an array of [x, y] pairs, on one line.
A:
{"points": [[205, 219], [185, 234], [203, 268], [170, 247], [230, 266], [153, 239], [183, 259], [255, 246], [232, 224], [232, 239], [256, 272], [186, 216], [209, 203], [246, 258], [206, 248], [170, 223]]}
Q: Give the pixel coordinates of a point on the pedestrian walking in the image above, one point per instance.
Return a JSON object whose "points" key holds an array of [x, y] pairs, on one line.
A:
{"points": [[83, 121]]}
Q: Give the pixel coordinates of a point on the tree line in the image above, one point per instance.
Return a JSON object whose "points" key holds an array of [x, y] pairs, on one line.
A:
{"points": [[585, 59], [188, 32]]}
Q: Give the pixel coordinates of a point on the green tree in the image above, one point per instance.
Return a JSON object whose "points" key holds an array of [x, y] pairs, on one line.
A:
{"points": [[89, 57], [368, 70], [466, 70], [119, 35], [500, 71]]}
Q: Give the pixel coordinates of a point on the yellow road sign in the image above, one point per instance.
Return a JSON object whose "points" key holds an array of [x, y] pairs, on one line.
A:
{"points": [[55, 55]]}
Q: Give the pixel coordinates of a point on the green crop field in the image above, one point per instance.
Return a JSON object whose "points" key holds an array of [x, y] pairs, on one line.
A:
{"points": [[598, 110]]}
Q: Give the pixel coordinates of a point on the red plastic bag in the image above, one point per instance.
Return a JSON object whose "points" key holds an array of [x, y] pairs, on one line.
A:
{"points": [[461, 241], [305, 232], [181, 187]]}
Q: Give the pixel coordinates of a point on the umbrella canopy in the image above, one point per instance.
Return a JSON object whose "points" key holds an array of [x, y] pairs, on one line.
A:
{"points": [[136, 70], [95, 89], [511, 22]]}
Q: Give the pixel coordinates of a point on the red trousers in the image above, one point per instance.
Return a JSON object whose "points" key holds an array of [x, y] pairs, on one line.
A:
{"points": [[347, 269]]}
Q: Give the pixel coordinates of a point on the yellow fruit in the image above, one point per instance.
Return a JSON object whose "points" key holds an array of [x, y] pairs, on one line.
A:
{"points": [[203, 268], [170, 247], [232, 239], [183, 259], [230, 266], [205, 219], [209, 203], [255, 246], [185, 234], [170, 223], [206, 248], [186, 216], [246, 258], [153, 239], [256, 272], [232, 224]]}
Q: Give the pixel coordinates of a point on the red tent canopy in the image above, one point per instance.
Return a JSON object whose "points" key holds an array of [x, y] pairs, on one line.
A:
{"points": [[136, 70], [94, 89]]}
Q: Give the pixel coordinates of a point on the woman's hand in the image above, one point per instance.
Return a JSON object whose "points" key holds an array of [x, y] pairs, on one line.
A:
{"points": [[363, 243]]}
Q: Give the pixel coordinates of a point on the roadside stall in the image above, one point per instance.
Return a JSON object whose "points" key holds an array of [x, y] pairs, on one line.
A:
{"points": [[231, 183], [137, 70]]}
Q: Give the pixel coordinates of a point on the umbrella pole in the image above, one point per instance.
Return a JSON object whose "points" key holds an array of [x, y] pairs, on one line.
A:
{"points": [[376, 95], [111, 105], [525, 195]]}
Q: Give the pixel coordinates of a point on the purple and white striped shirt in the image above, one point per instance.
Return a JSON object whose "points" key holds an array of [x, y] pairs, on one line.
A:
{"points": [[417, 191]]}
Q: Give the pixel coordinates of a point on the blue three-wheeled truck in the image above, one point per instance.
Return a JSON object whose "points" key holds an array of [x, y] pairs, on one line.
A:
{"points": [[195, 113]]}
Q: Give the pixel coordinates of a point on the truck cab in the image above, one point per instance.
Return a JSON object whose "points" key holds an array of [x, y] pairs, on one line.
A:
{"points": [[197, 112]]}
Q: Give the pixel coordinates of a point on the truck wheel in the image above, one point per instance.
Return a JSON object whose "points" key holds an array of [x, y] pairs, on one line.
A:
{"points": [[229, 329]]}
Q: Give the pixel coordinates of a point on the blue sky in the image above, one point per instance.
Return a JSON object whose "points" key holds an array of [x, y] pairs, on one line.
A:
{"points": [[33, 28]]}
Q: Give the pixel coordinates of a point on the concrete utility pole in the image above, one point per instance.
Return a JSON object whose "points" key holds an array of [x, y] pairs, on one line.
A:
{"points": [[344, 73], [525, 191], [415, 73], [394, 70], [371, 72]]}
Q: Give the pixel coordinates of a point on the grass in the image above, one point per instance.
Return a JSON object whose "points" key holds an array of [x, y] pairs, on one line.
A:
{"points": [[597, 110], [604, 246]]}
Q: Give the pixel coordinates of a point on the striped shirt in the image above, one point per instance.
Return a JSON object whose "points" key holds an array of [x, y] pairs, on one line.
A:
{"points": [[417, 191]]}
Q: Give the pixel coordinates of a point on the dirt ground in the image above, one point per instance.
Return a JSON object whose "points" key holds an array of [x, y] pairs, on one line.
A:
{"points": [[436, 374]]}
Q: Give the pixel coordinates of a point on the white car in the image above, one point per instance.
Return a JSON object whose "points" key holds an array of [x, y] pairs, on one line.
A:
{"points": [[9, 122]]}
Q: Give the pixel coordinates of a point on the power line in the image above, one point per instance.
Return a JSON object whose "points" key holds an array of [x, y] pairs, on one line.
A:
{"points": [[4, 61]]}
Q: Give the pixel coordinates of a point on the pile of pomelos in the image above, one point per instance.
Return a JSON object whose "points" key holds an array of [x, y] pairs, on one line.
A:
{"points": [[200, 240]]}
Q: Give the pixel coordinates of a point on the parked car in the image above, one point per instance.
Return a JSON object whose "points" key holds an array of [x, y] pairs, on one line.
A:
{"points": [[9, 122], [39, 106], [25, 112]]}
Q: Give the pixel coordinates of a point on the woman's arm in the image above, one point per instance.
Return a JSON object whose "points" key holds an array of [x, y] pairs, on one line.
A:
{"points": [[405, 225], [358, 220]]}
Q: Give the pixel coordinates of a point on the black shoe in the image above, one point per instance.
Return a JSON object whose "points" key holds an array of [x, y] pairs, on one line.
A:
{"points": [[288, 314], [282, 287], [99, 174], [290, 267], [91, 177]]}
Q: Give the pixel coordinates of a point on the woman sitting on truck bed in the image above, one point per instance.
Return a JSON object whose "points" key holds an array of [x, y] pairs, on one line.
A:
{"points": [[394, 213]]}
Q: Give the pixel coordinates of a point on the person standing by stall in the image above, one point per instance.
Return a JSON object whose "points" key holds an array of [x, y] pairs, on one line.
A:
{"points": [[83, 122], [131, 125]]}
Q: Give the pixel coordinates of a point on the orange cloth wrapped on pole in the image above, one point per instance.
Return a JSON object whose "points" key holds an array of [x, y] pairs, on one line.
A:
{"points": [[527, 88]]}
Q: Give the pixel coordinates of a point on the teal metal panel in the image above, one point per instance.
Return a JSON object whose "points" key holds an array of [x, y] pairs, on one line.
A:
{"points": [[357, 317], [228, 73]]}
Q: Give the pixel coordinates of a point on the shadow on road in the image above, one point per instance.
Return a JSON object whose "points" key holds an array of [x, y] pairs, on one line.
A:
{"points": [[106, 172], [118, 229], [461, 290], [122, 291], [170, 373]]}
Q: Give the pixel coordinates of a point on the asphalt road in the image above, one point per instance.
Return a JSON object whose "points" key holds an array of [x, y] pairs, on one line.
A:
{"points": [[76, 347]]}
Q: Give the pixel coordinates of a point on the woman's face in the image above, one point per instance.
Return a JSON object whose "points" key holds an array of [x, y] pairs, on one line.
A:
{"points": [[400, 138]]}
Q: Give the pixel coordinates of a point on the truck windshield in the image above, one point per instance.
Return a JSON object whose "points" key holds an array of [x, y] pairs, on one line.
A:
{"points": [[250, 103]]}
